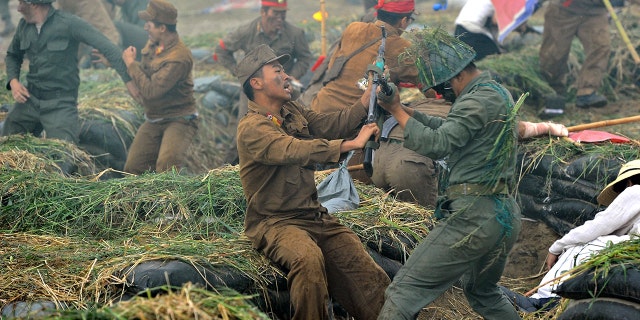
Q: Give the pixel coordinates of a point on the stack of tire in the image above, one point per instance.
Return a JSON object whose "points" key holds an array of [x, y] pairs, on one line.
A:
{"points": [[610, 295]]}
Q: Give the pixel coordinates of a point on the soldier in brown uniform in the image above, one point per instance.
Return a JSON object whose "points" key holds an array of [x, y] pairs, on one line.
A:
{"points": [[166, 88], [279, 143], [564, 20], [412, 175]]}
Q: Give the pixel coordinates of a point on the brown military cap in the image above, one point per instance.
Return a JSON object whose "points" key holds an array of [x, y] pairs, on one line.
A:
{"points": [[277, 5], [256, 59], [160, 11]]}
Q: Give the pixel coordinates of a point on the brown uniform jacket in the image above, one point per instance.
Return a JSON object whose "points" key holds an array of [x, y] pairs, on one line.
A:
{"points": [[343, 91], [277, 161], [164, 79], [291, 40]]}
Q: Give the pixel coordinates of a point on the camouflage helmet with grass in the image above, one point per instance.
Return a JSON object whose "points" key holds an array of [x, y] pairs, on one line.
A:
{"points": [[438, 55], [39, 1]]}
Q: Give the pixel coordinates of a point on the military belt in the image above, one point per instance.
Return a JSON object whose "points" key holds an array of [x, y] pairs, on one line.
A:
{"points": [[51, 94], [475, 189], [187, 117]]}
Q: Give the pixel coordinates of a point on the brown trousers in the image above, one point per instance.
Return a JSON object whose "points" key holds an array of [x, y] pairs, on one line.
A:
{"points": [[560, 27], [411, 175], [325, 258], [160, 146]]}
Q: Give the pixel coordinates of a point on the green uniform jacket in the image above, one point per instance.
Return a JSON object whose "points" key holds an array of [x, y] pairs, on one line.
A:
{"points": [[277, 162], [53, 55], [468, 133], [164, 79], [291, 40]]}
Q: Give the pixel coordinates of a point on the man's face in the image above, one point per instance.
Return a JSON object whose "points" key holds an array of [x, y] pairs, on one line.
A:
{"points": [[154, 31], [276, 82], [27, 11], [273, 20]]}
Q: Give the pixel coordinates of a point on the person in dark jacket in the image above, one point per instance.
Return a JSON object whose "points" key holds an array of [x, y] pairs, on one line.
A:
{"points": [[49, 39]]}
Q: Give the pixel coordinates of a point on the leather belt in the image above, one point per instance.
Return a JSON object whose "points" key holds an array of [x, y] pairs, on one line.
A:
{"points": [[51, 94]]}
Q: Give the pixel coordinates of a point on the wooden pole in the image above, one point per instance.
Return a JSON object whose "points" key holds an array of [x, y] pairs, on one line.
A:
{"points": [[323, 27], [623, 34], [604, 123], [350, 168]]}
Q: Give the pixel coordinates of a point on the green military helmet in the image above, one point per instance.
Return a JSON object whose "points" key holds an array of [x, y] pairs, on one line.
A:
{"points": [[438, 55], [39, 1]]}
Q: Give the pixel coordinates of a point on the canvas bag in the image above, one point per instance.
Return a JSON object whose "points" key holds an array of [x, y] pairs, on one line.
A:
{"points": [[337, 192]]}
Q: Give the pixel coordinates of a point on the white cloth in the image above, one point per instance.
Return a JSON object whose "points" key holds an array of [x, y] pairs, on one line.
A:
{"points": [[474, 15], [621, 217], [570, 258], [615, 224]]}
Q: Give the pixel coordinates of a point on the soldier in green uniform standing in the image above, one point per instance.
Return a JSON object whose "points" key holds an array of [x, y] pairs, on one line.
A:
{"points": [[166, 86], [279, 143], [49, 39], [479, 218]]}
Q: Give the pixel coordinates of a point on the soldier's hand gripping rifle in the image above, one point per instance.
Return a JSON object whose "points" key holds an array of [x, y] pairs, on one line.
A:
{"points": [[376, 79]]}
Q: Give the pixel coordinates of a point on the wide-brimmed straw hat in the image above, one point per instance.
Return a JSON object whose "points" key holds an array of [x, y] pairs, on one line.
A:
{"points": [[627, 171]]}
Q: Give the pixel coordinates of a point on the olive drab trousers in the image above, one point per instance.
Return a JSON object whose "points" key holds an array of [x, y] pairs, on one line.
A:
{"points": [[160, 146], [324, 259], [57, 117], [560, 27], [470, 245]]}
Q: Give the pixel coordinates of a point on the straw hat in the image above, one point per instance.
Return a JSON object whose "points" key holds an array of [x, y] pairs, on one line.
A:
{"points": [[627, 170]]}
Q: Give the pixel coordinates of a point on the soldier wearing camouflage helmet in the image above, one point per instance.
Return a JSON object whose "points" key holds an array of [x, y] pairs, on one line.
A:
{"points": [[49, 39], [479, 220]]}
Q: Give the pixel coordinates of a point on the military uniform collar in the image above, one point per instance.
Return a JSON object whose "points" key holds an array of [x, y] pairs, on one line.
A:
{"points": [[481, 78], [277, 118]]}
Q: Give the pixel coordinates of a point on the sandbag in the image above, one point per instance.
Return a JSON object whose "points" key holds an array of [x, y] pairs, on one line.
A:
{"points": [[561, 215], [601, 309], [150, 276], [621, 281]]}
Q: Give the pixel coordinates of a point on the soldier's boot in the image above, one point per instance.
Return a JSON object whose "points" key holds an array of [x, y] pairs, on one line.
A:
{"points": [[593, 100]]}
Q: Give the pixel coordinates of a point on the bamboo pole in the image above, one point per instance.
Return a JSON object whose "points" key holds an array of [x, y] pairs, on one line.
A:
{"points": [[323, 27], [350, 168], [604, 123], [623, 34]]}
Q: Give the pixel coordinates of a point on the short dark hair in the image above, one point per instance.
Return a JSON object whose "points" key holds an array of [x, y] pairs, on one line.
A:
{"points": [[246, 86], [170, 27], [392, 18]]}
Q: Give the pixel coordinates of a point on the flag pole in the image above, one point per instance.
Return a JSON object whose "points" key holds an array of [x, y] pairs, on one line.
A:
{"points": [[323, 32], [623, 34]]}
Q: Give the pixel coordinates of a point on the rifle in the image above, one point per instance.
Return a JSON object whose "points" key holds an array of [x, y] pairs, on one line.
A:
{"points": [[376, 72]]}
